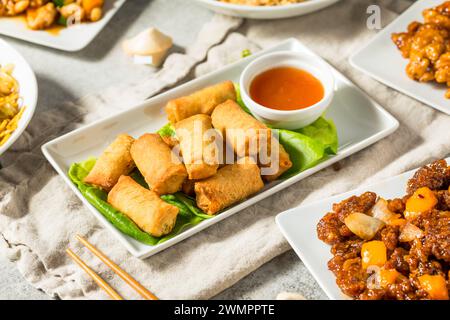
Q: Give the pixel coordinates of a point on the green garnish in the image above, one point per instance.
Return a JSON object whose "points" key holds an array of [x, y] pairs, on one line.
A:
{"points": [[245, 53], [62, 21], [58, 3]]}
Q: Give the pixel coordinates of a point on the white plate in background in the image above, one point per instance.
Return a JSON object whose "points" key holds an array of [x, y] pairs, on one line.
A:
{"points": [[266, 12], [381, 60], [298, 226], [28, 88], [360, 122], [67, 39]]}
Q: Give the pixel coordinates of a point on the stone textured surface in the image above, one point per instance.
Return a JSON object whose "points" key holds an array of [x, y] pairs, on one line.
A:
{"points": [[66, 76]]}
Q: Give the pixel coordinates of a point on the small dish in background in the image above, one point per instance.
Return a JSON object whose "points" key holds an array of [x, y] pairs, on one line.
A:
{"points": [[28, 91], [266, 12], [288, 119], [71, 39], [381, 60]]}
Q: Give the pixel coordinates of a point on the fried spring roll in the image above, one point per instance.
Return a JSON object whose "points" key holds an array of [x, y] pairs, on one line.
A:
{"points": [[246, 134], [188, 187], [143, 206], [284, 163], [161, 168], [200, 102], [198, 146], [115, 161], [170, 141], [231, 184]]}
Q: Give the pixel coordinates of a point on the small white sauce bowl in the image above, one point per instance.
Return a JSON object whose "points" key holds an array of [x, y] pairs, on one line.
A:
{"points": [[290, 119]]}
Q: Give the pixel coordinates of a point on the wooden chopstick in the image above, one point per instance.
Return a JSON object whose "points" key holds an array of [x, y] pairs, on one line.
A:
{"points": [[102, 283], [119, 271]]}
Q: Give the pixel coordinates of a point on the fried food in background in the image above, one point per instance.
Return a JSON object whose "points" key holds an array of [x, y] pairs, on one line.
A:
{"points": [[160, 166], [427, 46], [200, 102], [10, 111], [143, 206], [42, 14], [114, 162]]}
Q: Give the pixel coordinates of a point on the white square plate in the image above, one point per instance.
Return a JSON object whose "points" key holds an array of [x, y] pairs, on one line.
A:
{"points": [[28, 89], [68, 39], [360, 122], [298, 225], [381, 60]]}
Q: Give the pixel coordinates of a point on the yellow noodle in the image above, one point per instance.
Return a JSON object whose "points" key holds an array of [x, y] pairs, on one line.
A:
{"points": [[10, 112]]}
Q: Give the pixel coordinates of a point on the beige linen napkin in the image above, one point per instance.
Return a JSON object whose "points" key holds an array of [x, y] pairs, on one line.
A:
{"points": [[40, 215]]}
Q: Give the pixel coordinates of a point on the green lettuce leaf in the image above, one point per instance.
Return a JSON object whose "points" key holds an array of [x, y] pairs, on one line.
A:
{"points": [[239, 100], [323, 131], [188, 216], [309, 146], [167, 131]]}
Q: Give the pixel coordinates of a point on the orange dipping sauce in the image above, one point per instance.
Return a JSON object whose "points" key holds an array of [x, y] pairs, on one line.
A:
{"points": [[286, 88]]}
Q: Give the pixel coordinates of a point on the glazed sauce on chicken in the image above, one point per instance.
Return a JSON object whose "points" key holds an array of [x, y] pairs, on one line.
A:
{"points": [[286, 88], [54, 30]]}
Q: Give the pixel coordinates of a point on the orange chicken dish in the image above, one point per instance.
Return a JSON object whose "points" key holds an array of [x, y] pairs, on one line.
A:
{"points": [[395, 249], [427, 46], [43, 14]]}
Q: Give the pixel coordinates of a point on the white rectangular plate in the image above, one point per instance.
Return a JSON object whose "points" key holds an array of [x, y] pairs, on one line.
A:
{"points": [[381, 60], [69, 39], [360, 122], [298, 225]]}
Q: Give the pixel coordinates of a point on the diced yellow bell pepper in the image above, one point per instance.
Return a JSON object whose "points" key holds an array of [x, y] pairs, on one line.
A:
{"points": [[421, 201], [435, 286], [88, 5], [397, 222], [388, 276], [373, 253]]}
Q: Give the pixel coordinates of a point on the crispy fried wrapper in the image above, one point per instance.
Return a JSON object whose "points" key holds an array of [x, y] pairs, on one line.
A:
{"points": [[198, 144], [250, 137], [231, 184], [160, 166], [115, 161], [188, 187], [200, 102], [143, 206]]}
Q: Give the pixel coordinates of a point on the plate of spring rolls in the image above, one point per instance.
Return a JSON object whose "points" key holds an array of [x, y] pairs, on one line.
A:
{"points": [[186, 159]]}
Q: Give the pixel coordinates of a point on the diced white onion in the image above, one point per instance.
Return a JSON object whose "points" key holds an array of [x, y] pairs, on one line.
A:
{"points": [[363, 226]]}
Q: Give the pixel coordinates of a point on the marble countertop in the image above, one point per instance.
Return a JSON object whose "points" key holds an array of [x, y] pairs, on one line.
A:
{"points": [[66, 76]]}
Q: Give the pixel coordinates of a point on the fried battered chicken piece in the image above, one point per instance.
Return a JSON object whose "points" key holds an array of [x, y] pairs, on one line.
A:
{"points": [[42, 17], [427, 46], [328, 229], [434, 176], [439, 15], [331, 228], [361, 204], [437, 234], [15, 7]]}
